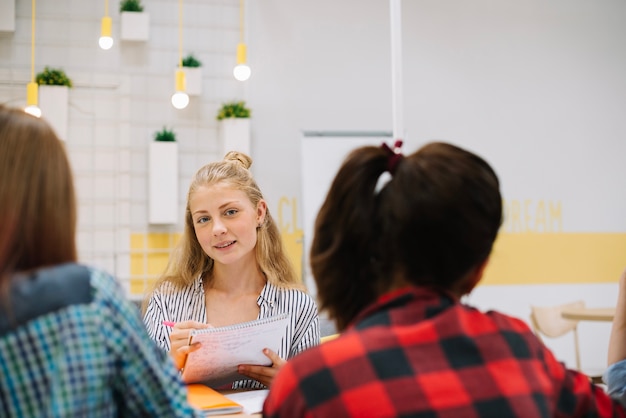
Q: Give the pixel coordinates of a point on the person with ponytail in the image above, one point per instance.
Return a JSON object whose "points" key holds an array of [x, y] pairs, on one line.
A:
{"points": [[229, 267], [397, 242]]}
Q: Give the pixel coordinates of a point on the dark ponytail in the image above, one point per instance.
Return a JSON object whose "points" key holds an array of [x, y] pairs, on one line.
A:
{"points": [[430, 225], [346, 235]]}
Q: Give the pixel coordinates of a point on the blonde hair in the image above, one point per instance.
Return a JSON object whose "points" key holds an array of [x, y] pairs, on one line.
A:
{"points": [[188, 260]]}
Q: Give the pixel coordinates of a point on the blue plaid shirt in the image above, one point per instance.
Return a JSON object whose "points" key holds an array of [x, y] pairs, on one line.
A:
{"points": [[71, 345], [615, 379]]}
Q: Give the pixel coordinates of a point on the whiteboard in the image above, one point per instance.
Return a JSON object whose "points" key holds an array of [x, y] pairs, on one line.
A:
{"points": [[321, 156]]}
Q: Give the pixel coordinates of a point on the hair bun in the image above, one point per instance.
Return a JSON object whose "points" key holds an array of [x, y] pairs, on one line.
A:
{"points": [[237, 157]]}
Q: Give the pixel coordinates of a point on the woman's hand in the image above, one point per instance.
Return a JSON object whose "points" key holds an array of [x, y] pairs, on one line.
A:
{"points": [[264, 374], [179, 341]]}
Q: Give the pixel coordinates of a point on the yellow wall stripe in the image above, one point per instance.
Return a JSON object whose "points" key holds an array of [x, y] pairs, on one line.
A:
{"points": [[535, 258]]}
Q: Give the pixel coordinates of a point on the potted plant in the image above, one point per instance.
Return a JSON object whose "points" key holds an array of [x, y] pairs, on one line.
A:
{"points": [[234, 121], [54, 85], [191, 61], [165, 135], [134, 22], [163, 178], [235, 109], [53, 77], [193, 75], [131, 6]]}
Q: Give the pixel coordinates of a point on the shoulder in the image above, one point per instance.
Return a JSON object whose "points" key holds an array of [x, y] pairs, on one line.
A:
{"points": [[498, 327], [104, 283], [65, 284], [47, 290], [168, 289], [295, 298], [505, 322]]}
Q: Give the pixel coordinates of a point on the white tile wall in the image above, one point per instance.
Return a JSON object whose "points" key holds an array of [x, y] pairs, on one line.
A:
{"points": [[120, 98], [7, 16]]}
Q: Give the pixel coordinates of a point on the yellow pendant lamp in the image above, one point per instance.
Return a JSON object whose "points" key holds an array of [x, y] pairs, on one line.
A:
{"points": [[241, 71], [106, 40], [32, 89], [180, 99]]}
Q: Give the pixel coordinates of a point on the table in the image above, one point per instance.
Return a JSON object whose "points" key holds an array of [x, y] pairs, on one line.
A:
{"points": [[246, 402], [589, 314], [239, 415]]}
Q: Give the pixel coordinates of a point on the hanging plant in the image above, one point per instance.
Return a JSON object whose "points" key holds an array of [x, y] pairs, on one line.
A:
{"points": [[233, 110], [191, 61], [53, 77], [165, 135], [131, 6]]}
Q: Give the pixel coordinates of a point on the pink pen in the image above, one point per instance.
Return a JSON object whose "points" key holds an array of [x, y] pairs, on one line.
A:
{"points": [[169, 324]]}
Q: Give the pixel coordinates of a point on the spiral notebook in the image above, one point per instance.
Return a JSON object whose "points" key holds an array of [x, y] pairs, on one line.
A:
{"points": [[224, 348]]}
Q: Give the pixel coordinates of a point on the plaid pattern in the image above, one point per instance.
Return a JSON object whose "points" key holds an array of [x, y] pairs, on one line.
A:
{"points": [[615, 379], [420, 354], [88, 360]]}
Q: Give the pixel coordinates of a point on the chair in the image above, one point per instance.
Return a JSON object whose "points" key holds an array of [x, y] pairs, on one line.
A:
{"points": [[329, 337], [547, 321]]}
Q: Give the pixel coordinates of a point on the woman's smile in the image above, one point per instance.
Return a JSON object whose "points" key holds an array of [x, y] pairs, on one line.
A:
{"points": [[223, 245]]}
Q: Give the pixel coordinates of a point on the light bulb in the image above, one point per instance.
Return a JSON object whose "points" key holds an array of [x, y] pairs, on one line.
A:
{"points": [[180, 100], [32, 96], [33, 110], [105, 42], [242, 72]]}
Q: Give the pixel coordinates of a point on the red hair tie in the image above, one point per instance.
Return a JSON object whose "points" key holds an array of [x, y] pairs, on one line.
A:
{"points": [[395, 155]]}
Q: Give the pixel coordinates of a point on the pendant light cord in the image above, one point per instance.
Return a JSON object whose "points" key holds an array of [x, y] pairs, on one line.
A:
{"points": [[32, 43], [241, 21], [180, 34]]}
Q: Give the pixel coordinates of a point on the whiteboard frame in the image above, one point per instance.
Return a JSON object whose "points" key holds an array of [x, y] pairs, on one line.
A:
{"points": [[322, 153]]}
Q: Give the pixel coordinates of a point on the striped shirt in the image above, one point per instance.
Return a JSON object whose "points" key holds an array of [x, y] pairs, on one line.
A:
{"points": [[74, 346], [169, 303]]}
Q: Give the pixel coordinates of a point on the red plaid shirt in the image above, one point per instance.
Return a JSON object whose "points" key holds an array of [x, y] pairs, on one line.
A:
{"points": [[422, 354]]}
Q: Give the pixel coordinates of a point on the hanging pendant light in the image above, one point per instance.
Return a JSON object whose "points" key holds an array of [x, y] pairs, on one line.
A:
{"points": [[241, 71], [180, 98], [32, 89], [106, 41]]}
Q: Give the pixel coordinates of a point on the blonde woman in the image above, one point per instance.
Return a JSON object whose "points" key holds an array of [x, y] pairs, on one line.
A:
{"points": [[229, 267]]}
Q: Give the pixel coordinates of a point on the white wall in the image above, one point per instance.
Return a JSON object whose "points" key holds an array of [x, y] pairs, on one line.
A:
{"points": [[536, 87], [510, 80]]}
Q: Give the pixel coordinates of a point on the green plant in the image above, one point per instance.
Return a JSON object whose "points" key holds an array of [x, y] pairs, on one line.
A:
{"points": [[131, 6], [191, 61], [165, 135], [53, 77], [233, 110]]}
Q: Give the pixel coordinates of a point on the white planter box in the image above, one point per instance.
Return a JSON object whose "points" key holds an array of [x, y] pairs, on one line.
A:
{"points": [[53, 102], [235, 135], [134, 26], [7, 16], [193, 80], [163, 183]]}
